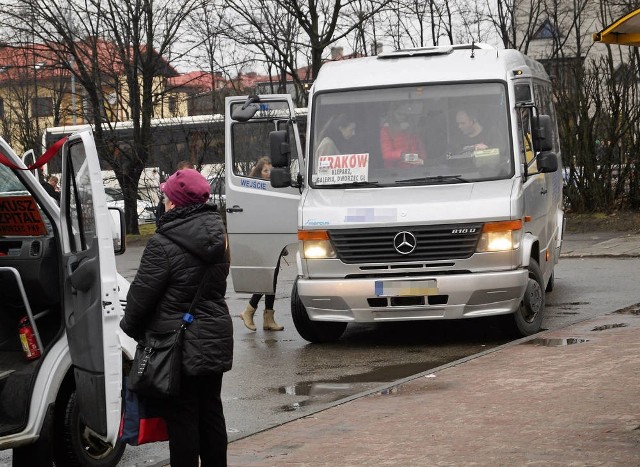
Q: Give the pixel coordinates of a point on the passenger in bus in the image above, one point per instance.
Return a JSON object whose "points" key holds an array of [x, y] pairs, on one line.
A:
{"points": [[335, 136], [262, 169], [399, 139]]}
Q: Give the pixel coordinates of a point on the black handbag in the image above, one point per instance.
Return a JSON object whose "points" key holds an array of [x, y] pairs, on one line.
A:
{"points": [[157, 364]]}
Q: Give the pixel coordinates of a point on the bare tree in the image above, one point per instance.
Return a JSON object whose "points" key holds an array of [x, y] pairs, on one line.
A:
{"points": [[110, 46], [598, 117], [269, 29], [291, 28], [515, 21]]}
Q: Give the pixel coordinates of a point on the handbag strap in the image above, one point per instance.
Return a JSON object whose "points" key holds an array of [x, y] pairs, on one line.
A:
{"points": [[192, 307]]}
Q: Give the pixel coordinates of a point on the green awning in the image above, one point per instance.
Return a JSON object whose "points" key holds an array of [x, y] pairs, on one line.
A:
{"points": [[623, 31]]}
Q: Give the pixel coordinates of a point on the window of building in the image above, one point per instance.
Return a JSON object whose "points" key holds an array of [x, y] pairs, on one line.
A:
{"points": [[546, 31], [1, 107], [173, 105], [41, 107]]}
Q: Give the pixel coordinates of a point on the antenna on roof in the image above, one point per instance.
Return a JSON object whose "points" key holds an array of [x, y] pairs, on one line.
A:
{"points": [[473, 48]]}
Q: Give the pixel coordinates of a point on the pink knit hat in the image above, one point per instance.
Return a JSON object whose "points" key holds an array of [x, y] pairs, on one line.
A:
{"points": [[185, 187]]}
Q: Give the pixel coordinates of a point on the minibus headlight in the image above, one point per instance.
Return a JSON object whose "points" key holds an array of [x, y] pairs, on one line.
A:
{"points": [[500, 236], [315, 244], [318, 249]]}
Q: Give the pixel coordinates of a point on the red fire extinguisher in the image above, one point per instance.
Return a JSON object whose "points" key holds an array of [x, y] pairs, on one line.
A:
{"points": [[28, 339]]}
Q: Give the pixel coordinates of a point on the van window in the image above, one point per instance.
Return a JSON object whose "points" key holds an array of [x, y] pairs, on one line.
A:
{"points": [[411, 135], [81, 212], [251, 143]]}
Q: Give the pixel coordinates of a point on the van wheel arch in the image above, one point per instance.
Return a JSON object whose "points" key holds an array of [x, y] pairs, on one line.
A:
{"points": [[313, 331], [73, 444], [527, 319]]}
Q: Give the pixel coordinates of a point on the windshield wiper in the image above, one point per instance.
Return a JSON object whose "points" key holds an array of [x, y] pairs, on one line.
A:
{"points": [[350, 185], [435, 178]]}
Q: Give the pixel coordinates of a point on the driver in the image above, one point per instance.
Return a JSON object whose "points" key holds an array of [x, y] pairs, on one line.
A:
{"points": [[474, 137]]}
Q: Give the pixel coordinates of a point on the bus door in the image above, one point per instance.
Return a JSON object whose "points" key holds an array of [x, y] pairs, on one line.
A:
{"points": [[261, 220], [92, 310]]}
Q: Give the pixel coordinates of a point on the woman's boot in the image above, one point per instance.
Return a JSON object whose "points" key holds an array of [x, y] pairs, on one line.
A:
{"points": [[247, 317], [270, 323]]}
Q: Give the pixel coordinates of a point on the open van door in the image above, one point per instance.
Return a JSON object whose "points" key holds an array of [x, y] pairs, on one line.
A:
{"points": [[261, 220], [92, 312]]}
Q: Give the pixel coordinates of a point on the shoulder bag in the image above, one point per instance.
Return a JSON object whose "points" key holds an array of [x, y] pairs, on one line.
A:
{"points": [[157, 364]]}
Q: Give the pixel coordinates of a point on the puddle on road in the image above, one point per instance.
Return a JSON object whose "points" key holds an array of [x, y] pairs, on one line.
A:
{"points": [[340, 388], [604, 327], [630, 310], [566, 305], [556, 342]]}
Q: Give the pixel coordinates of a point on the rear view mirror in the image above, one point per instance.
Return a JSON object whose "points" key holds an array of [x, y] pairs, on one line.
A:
{"points": [[118, 230], [246, 111], [547, 161], [280, 150], [280, 177], [542, 133]]}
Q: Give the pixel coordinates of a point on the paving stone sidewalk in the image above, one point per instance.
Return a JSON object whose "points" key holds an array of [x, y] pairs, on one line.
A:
{"points": [[565, 397]]}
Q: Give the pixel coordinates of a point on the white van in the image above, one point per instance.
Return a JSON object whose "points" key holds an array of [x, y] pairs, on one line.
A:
{"points": [[57, 269], [440, 199]]}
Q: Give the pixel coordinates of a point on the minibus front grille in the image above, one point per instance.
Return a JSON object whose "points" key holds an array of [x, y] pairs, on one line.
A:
{"points": [[432, 242]]}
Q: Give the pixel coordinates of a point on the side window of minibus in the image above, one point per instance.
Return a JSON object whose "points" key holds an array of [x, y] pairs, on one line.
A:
{"points": [[250, 142]]}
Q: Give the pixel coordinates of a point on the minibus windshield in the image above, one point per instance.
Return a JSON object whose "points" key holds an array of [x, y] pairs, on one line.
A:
{"points": [[412, 135]]}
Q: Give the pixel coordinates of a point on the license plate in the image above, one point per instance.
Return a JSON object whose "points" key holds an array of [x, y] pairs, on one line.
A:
{"points": [[406, 288]]}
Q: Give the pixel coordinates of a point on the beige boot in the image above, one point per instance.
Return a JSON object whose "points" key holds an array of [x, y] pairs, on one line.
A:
{"points": [[270, 323], [247, 317]]}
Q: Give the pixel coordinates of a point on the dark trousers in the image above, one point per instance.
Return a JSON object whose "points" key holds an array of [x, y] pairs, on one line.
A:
{"points": [[195, 422], [269, 300]]}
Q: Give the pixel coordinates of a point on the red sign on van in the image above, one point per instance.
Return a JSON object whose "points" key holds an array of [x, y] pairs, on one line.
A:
{"points": [[19, 216]]}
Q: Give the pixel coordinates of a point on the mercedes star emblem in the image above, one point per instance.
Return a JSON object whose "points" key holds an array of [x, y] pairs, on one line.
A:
{"points": [[405, 242]]}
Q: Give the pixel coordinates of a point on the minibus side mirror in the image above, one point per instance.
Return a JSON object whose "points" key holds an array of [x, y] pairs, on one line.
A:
{"points": [[246, 111], [280, 156], [542, 133], [280, 177], [280, 150], [547, 161]]}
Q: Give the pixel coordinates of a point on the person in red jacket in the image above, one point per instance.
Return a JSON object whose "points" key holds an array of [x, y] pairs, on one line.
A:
{"points": [[399, 141]]}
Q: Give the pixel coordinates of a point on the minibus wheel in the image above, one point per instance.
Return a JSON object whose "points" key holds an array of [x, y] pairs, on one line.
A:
{"points": [[528, 316], [80, 446], [314, 331]]}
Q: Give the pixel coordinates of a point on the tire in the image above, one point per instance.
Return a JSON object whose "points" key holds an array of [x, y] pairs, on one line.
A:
{"points": [[527, 319], [317, 332], [551, 283], [79, 446]]}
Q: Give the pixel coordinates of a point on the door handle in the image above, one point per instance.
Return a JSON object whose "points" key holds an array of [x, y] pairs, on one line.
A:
{"points": [[235, 208]]}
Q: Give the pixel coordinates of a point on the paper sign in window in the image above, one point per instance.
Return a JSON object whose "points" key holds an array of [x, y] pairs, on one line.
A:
{"points": [[343, 168], [19, 216]]}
